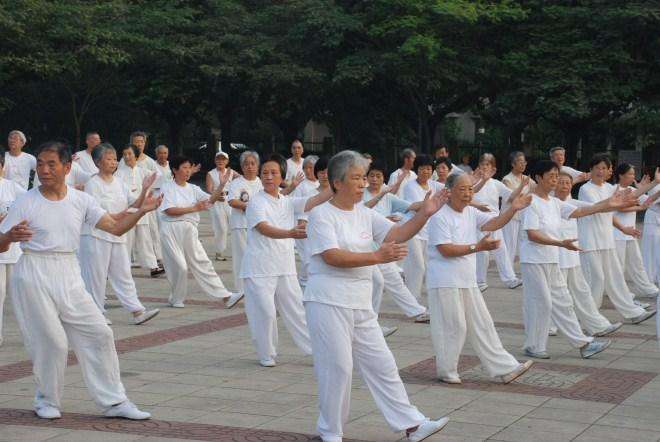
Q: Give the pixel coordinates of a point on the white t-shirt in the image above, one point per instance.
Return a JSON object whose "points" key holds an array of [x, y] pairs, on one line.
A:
{"points": [[18, 168], [544, 216], [448, 226], [242, 190], [164, 175], [596, 232], [146, 162], [181, 196], [113, 197], [133, 177], [628, 219], [388, 204], [76, 176], [395, 176], [293, 168], [86, 162], [9, 191], [413, 192], [266, 256], [652, 215], [569, 230], [354, 230], [572, 172], [57, 225], [491, 193], [455, 170], [465, 168], [306, 189]]}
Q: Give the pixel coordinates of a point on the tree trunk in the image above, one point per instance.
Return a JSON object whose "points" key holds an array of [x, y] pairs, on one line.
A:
{"points": [[226, 125]]}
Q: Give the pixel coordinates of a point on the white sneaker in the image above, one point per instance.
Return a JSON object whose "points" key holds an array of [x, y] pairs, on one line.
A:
{"points": [[423, 318], [483, 287], [552, 331], [127, 410], [388, 331], [145, 316], [233, 300], [177, 305], [427, 428], [514, 284], [268, 362], [641, 304], [47, 412]]}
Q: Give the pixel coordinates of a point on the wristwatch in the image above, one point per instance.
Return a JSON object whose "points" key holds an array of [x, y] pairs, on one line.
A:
{"points": [[473, 247]]}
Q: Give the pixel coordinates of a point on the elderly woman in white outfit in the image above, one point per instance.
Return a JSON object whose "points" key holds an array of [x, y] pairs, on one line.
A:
{"points": [[627, 248], [103, 256], [511, 232], [52, 307], [220, 211], [455, 301], [239, 193], [342, 324]]}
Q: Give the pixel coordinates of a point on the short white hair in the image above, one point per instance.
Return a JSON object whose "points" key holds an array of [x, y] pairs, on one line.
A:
{"points": [[339, 165], [20, 134], [556, 149], [161, 146], [248, 153], [311, 159]]}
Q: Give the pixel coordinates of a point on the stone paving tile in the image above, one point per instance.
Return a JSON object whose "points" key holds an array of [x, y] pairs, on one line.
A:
{"points": [[613, 433], [96, 436], [557, 414], [23, 434]]}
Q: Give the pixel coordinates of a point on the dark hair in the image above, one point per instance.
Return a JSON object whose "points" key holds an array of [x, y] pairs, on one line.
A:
{"points": [[621, 169], [542, 167], [275, 158], [422, 160], [440, 146], [2, 157], [321, 164], [92, 132], [515, 154], [377, 165], [62, 150], [135, 150], [600, 158], [444, 160], [138, 133], [178, 160]]}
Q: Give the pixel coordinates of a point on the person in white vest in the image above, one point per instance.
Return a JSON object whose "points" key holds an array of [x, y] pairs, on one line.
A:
{"points": [[558, 156], [18, 164], [407, 162], [307, 187], [84, 157], [52, 307], [220, 211], [294, 165], [342, 324], [512, 180]]}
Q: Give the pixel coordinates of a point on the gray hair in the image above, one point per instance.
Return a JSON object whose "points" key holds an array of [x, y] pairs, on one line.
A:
{"points": [[408, 152], [340, 163], [161, 146], [100, 150], [20, 134], [555, 149], [311, 159], [453, 179], [515, 154], [248, 153]]}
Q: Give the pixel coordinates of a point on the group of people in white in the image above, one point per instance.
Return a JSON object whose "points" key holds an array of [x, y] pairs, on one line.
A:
{"points": [[435, 224]]}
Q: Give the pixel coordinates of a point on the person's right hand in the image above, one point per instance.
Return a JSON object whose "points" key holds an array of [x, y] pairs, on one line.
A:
{"points": [[487, 243], [569, 244], [203, 205], [20, 232], [391, 251], [298, 232]]}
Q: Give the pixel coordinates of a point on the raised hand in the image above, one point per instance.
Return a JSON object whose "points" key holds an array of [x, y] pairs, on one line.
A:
{"points": [[570, 244], [521, 201], [621, 199], [148, 181], [488, 243], [203, 205], [433, 203], [644, 181], [151, 202], [390, 252], [299, 231], [225, 177], [195, 168], [298, 179]]}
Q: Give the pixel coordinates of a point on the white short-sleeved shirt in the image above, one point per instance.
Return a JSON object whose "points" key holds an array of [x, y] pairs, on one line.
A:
{"points": [[652, 215], [354, 230], [181, 196], [57, 225], [76, 177], [572, 172], [113, 197], [18, 168], [465, 168], [569, 230], [628, 219], [413, 192], [242, 190], [490, 194], [146, 162], [9, 191], [164, 175], [544, 216], [448, 226], [388, 204], [132, 177], [394, 176], [266, 256], [86, 162], [305, 189], [455, 170], [512, 182], [293, 168], [596, 232]]}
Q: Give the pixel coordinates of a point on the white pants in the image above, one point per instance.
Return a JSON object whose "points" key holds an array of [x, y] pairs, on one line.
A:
{"points": [[139, 240], [53, 309], [414, 266], [5, 276], [101, 261], [387, 276], [182, 250], [454, 313], [585, 307], [630, 258], [545, 296], [238, 244], [341, 336], [220, 223], [264, 298], [154, 230], [511, 232], [301, 249], [651, 251], [603, 272], [504, 266]]}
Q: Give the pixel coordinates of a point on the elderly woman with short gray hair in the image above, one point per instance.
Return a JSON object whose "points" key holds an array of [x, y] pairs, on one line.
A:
{"points": [[342, 324]]}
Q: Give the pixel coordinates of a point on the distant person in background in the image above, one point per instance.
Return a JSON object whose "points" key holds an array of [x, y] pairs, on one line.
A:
{"points": [[220, 211], [443, 152], [294, 165], [308, 187], [407, 161], [512, 181], [18, 164], [558, 156], [368, 157], [84, 157], [465, 164], [163, 165], [443, 169]]}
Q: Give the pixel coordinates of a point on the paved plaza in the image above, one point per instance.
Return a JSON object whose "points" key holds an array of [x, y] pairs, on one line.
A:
{"points": [[196, 371]]}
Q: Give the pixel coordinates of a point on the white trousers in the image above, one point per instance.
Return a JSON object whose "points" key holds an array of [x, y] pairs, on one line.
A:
{"points": [[502, 259], [455, 314], [387, 276], [5, 276], [630, 258], [138, 239], [181, 251], [603, 273], [264, 298], [238, 244], [154, 230], [414, 266], [651, 251], [585, 307], [53, 309], [220, 223], [102, 261], [301, 249], [546, 296], [511, 232], [340, 337]]}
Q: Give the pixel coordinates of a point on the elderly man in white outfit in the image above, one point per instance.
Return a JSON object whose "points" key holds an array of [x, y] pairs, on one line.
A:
{"points": [[84, 157], [239, 192], [407, 162], [558, 156], [511, 232], [455, 301], [18, 164], [164, 171], [600, 264], [51, 304], [343, 326], [220, 211]]}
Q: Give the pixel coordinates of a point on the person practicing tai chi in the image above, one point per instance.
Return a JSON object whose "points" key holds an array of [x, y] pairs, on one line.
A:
{"points": [[651, 237], [456, 304], [545, 294], [600, 264], [51, 304], [342, 324], [269, 264], [407, 162], [558, 156], [84, 157], [220, 211], [182, 249], [103, 256], [511, 232], [18, 164], [164, 171]]}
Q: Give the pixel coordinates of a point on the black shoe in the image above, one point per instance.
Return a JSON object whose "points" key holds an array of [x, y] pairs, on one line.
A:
{"points": [[157, 271]]}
